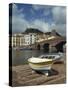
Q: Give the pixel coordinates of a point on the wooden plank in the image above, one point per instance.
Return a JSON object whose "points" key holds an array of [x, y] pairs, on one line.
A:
{"points": [[38, 80], [23, 76], [56, 80]]}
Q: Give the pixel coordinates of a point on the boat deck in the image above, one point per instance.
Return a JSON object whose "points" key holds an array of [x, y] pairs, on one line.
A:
{"points": [[22, 76]]}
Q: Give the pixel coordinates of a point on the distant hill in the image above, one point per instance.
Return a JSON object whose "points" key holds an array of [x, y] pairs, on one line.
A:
{"points": [[32, 30]]}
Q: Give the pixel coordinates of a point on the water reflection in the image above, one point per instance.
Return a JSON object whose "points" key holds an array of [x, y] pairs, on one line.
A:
{"points": [[21, 56]]}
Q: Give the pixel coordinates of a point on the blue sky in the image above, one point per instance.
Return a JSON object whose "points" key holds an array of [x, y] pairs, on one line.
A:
{"points": [[42, 17]]}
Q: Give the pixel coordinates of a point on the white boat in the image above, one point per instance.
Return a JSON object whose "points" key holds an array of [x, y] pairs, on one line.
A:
{"points": [[44, 62]]}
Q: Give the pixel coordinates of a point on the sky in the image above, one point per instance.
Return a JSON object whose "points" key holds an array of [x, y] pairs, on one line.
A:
{"points": [[42, 17]]}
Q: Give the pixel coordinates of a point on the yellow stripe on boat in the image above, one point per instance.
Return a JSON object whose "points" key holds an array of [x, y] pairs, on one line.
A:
{"points": [[39, 67], [42, 63]]}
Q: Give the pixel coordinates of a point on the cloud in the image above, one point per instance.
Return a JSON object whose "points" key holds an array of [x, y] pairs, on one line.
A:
{"points": [[38, 7], [61, 28], [20, 24], [58, 12], [16, 11], [59, 19], [46, 12], [46, 9], [41, 25], [59, 15]]}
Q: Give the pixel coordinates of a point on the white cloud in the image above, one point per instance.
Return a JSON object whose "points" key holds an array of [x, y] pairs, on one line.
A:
{"points": [[59, 14], [41, 25], [59, 17], [46, 13], [19, 23], [37, 7], [46, 9], [61, 28]]}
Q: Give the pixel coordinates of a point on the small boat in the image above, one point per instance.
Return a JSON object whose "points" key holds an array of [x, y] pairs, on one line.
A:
{"points": [[43, 62]]}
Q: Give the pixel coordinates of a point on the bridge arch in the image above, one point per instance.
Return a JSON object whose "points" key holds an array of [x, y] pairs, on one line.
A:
{"points": [[38, 47], [46, 47], [59, 46]]}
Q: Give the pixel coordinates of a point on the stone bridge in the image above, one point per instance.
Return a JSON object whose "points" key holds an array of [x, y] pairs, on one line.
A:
{"points": [[49, 45]]}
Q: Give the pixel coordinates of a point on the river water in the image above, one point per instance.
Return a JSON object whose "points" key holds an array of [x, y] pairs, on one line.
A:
{"points": [[20, 57]]}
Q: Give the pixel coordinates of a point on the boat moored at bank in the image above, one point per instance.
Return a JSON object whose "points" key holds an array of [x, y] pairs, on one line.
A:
{"points": [[43, 62]]}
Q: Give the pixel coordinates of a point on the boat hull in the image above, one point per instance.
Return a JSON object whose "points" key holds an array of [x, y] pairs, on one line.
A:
{"points": [[41, 66], [44, 62]]}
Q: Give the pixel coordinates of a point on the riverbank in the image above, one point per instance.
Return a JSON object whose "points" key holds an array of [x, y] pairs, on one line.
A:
{"points": [[22, 76]]}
